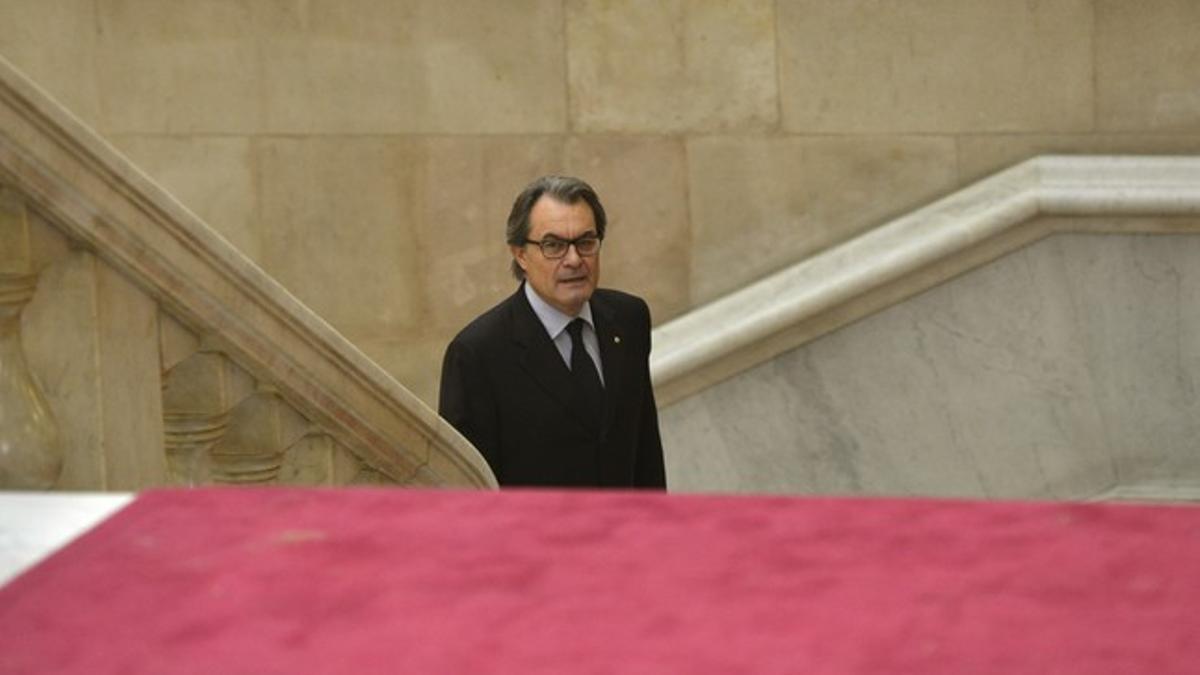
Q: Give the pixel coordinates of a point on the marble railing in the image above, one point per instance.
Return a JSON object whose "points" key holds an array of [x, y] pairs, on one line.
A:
{"points": [[139, 348], [897, 260]]}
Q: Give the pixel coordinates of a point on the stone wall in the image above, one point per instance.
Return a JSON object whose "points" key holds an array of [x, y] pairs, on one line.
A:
{"points": [[366, 152]]}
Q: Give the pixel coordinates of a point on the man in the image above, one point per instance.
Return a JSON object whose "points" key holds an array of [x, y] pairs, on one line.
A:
{"points": [[552, 385]]}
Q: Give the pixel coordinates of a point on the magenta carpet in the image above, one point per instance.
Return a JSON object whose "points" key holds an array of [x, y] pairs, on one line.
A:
{"points": [[374, 581]]}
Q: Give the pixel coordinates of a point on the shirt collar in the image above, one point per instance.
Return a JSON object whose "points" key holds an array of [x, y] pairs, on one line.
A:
{"points": [[554, 321]]}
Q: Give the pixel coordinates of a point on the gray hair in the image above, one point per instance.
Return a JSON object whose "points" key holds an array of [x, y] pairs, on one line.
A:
{"points": [[565, 189]]}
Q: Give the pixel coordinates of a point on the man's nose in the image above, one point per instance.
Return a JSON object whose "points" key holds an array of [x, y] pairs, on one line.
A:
{"points": [[572, 257]]}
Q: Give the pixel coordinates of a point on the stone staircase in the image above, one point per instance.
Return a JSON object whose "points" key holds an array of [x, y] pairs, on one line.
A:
{"points": [[142, 349]]}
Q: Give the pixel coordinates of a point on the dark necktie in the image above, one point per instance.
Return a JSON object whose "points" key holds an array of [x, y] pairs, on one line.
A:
{"points": [[583, 372]]}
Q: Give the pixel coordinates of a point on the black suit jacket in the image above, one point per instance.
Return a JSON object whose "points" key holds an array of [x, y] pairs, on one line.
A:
{"points": [[506, 388]]}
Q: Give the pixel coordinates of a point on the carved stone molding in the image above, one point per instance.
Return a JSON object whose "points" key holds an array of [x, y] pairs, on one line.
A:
{"points": [[189, 438], [261, 428], [31, 454], [15, 291]]}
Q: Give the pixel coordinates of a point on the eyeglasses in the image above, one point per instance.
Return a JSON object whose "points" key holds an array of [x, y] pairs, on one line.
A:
{"points": [[555, 248]]}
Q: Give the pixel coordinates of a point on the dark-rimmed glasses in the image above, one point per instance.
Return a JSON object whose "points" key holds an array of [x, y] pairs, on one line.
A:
{"points": [[554, 248]]}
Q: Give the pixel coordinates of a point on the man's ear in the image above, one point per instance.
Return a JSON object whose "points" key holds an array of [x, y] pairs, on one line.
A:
{"points": [[518, 254]]}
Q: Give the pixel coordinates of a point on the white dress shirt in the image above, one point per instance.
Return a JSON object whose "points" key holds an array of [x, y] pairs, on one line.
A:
{"points": [[555, 323]]}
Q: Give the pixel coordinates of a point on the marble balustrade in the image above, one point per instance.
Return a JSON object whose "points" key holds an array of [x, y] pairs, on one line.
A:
{"points": [[1068, 369], [977, 224], [1034, 336], [144, 349], [1031, 336]]}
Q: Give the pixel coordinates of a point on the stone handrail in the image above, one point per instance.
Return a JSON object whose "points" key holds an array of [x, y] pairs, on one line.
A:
{"points": [[98, 198], [758, 321]]}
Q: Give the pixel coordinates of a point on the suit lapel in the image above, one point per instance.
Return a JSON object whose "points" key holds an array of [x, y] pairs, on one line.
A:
{"points": [[542, 361], [613, 354]]}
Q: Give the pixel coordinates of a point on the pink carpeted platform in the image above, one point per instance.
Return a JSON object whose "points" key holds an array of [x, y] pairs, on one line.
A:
{"points": [[372, 581]]}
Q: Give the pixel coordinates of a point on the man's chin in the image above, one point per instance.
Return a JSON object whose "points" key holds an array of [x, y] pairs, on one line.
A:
{"points": [[574, 295]]}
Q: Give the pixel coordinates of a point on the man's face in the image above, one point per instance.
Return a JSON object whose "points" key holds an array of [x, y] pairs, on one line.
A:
{"points": [[568, 282]]}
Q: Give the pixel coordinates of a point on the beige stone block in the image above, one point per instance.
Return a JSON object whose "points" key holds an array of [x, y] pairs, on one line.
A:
{"points": [[180, 67], [982, 155], [337, 219], [1148, 65], [176, 342], [91, 338], [308, 462], [759, 204], [27, 242], [420, 66], [212, 176], [939, 66], [346, 465], [261, 428], [54, 44], [414, 360], [671, 66], [367, 476], [59, 335], [467, 187], [206, 383], [131, 410], [47, 244], [195, 386], [642, 182], [15, 254]]}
